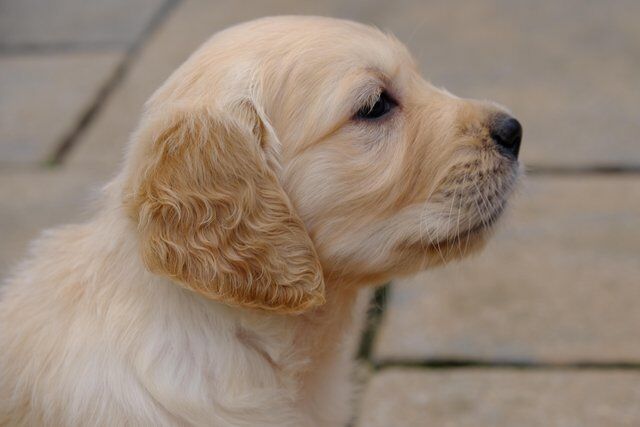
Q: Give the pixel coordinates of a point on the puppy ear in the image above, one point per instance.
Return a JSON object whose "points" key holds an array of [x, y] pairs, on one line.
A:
{"points": [[212, 215]]}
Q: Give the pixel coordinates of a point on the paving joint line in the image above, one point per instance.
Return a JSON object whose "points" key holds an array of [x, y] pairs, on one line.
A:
{"points": [[69, 141], [25, 49], [453, 364], [593, 169], [375, 313]]}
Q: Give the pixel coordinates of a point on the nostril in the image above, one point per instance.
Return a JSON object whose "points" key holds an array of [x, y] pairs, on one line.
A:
{"points": [[507, 133]]}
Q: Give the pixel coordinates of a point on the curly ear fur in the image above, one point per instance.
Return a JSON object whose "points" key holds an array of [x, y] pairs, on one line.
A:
{"points": [[213, 217]]}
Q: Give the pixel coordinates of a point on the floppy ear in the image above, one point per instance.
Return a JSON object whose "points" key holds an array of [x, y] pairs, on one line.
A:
{"points": [[212, 215]]}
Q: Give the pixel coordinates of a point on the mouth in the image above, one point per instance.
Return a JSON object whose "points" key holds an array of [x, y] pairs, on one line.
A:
{"points": [[466, 207], [484, 226], [472, 217]]}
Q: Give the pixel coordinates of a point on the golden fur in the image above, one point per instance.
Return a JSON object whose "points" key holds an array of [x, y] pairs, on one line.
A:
{"points": [[252, 184]]}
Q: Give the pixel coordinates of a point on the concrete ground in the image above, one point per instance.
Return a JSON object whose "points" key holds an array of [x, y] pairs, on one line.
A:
{"points": [[539, 330]]}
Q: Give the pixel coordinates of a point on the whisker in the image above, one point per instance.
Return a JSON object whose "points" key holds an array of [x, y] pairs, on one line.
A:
{"points": [[484, 203], [459, 243], [436, 244]]}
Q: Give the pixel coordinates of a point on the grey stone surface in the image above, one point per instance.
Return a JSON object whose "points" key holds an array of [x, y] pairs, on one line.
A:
{"points": [[42, 98], [504, 398], [566, 69], [71, 23], [31, 201], [559, 283]]}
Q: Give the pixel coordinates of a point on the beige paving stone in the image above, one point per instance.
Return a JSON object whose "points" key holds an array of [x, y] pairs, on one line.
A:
{"points": [[501, 398], [566, 69], [31, 201], [560, 283], [42, 98], [28, 23]]}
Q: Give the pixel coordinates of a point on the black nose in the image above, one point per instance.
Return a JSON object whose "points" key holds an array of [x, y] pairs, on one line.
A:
{"points": [[507, 133]]}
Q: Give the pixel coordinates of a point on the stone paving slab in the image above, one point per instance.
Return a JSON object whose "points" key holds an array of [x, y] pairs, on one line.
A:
{"points": [[566, 69], [31, 201], [43, 97], [73, 23], [501, 398], [558, 284]]}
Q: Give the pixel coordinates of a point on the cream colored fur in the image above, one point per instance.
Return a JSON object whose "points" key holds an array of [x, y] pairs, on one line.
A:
{"points": [[218, 283]]}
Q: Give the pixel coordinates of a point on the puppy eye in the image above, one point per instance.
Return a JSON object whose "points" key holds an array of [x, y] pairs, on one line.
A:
{"points": [[382, 106]]}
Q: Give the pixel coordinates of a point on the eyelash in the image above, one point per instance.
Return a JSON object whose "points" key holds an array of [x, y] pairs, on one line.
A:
{"points": [[381, 106]]}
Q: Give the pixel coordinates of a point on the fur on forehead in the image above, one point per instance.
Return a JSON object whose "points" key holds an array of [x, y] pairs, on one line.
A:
{"points": [[280, 65]]}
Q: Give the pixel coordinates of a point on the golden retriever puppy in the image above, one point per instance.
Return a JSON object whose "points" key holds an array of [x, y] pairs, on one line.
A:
{"points": [[284, 166]]}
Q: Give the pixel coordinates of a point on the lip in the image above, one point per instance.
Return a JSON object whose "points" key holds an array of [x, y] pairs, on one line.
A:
{"points": [[485, 225]]}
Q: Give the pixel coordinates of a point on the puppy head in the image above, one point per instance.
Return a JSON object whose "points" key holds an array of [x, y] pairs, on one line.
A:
{"points": [[289, 143]]}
